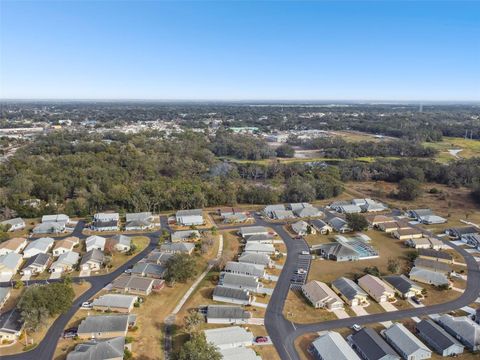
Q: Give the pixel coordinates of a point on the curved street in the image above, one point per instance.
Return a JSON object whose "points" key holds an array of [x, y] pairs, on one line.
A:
{"points": [[282, 331]]}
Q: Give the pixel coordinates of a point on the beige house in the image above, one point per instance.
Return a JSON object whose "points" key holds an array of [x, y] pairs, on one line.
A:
{"points": [[65, 245], [391, 226], [376, 220], [321, 296], [15, 245], [376, 288], [407, 234]]}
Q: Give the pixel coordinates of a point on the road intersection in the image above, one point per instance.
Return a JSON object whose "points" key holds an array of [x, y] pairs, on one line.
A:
{"points": [[282, 332]]}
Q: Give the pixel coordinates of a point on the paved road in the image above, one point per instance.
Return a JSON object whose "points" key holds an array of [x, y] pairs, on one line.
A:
{"points": [[46, 348], [283, 332]]}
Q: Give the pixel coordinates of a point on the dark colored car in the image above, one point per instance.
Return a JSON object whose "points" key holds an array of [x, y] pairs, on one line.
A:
{"points": [[261, 339]]}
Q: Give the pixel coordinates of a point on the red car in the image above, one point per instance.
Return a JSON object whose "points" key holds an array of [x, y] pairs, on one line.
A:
{"points": [[261, 339]]}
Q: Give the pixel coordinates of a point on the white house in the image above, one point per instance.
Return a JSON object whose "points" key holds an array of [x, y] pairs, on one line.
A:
{"points": [[229, 337], [189, 217], [9, 264], [65, 262], [42, 245], [95, 242], [14, 224], [15, 245]]}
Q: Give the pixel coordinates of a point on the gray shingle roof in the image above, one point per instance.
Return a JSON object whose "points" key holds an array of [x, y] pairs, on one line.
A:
{"points": [[432, 265], [193, 212], [433, 334], [226, 312], [115, 301], [332, 346], [99, 349], [435, 253], [226, 292], [39, 260], [348, 288], [372, 346], [11, 321], [229, 279], [105, 323], [148, 269], [404, 339], [401, 283]]}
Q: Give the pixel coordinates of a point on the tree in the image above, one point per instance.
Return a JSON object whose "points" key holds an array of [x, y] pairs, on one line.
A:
{"points": [[197, 348], [476, 193], [285, 151], [180, 268], [372, 270], [299, 190], [193, 321], [357, 222], [393, 265], [409, 189]]}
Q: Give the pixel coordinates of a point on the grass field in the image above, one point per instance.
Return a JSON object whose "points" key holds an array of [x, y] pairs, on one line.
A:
{"points": [[470, 148]]}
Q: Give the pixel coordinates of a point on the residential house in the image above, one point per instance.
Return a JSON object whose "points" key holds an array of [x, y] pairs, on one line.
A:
{"points": [[350, 292], [185, 235], [105, 326], [457, 233], [136, 285], [115, 302], [15, 245], [432, 265], [370, 346], [235, 218], [472, 240], [239, 353], [405, 343], [403, 286], [15, 224], [257, 259], [65, 262], [230, 211], [282, 214], [263, 239], [121, 243], [321, 296], [226, 314], [253, 230], [376, 288], [321, 226], [426, 216], [95, 242], [149, 270], [92, 260], [370, 205], [229, 337], [426, 276], [139, 221], [336, 251], [339, 225], [65, 245], [11, 325], [36, 264], [463, 329], [108, 349], [308, 212], [106, 222], [245, 269], [391, 226], [332, 346], [407, 234], [435, 255], [177, 248], [438, 339], [158, 257], [4, 295], [59, 218], [49, 228], [190, 217], [231, 295], [349, 209], [298, 206], [426, 243], [375, 220], [303, 228], [9, 265], [259, 248], [238, 281], [269, 210], [42, 245]]}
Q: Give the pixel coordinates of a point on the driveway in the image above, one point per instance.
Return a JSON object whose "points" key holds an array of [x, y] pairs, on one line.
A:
{"points": [[359, 310], [55, 275], [388, 306], [259, 304], [340, 313]]}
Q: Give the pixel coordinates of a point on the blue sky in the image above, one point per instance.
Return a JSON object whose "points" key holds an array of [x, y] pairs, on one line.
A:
{"points": [[381, 50]]}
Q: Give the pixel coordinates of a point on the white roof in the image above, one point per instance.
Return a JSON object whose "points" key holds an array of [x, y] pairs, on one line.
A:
{"points": [[332, 346], [107, 216], [115, 300], [55, 218], [259, 247], [41, 244], [239, 353], [228, 335], [95, 240]]}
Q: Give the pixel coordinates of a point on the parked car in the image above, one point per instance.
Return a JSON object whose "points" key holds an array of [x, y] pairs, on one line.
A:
{"points": [[356, 327], [416, 300], [304, 252], [87, 305], [261, 339], [70, 333]]}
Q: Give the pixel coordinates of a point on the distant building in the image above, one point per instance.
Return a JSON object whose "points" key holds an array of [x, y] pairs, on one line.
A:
{"points": [[15, 224], [430, 277], [139, 221], [106, 222]]}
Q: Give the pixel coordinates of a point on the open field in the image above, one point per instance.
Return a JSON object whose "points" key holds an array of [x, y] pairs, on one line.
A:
{"points": [[454, 204], [298, 309], [36, 337], [470, 148]]}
